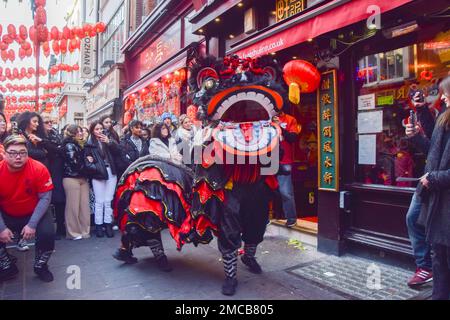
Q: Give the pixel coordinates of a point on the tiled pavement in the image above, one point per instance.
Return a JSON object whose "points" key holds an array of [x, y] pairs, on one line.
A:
{"points": [[197, 274]]}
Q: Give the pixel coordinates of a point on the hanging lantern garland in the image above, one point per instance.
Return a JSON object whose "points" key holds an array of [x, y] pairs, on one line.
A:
{"points": [[60, 41], [24, 88], [64, 67], [16, 74]]}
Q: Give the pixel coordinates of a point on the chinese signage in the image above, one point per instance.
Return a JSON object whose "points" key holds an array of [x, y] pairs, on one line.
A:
{"points": [[327, 119], [289, 8], [160, 50]]}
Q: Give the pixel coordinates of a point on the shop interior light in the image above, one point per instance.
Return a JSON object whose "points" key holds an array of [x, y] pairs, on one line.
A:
{"points": [[372, 26], [217, 19], [274, 13], [231, 36], [240, 4], [201, 30], [310, 39], [294, 57], [401, 30], [273, 53]]}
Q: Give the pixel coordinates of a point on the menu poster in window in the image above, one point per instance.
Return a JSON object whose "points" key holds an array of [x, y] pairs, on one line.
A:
{"points": [[370, 122], [327, 130], [367, 149], [366, 102]]}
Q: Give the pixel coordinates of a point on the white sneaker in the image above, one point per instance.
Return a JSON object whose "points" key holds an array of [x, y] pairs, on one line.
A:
{"points": [[22, 245], [77, 238], [115, 228]]}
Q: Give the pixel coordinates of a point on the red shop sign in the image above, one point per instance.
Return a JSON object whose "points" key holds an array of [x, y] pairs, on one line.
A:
{"points": [[339, 17], [160, 50]]}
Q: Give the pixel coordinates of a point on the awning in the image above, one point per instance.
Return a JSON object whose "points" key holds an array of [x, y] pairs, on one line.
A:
{"points": [[172, 65], [305, 28]]}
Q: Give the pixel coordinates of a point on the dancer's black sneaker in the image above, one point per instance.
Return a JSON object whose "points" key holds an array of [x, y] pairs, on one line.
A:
{"points": [[252, 264], [229, 286], [125, 256], [163, 264], [43, 273]]}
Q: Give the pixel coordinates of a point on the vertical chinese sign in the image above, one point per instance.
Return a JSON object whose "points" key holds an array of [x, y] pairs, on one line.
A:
{"points": [[328, 133]]}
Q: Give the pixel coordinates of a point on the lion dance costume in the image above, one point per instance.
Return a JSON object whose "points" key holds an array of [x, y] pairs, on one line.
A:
{"points": [[233, 178]]}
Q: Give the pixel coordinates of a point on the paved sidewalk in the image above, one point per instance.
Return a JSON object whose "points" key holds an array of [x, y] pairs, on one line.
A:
{"points": [[197, 274]]}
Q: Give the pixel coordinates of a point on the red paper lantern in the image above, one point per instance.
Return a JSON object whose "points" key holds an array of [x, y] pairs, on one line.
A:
{"points": [[100, 27], [3, 46], [76, 67], [32, 34], [29, 52], [66, 33], [25, 45], [11, 55], [80, 33], [7, 39], [42, 33], [63, 46], [54, 33], [23, 32], [12, 31], [22, 53], [301, 76], [40, 16], [55, 47], [40, 3], [87, 28]]}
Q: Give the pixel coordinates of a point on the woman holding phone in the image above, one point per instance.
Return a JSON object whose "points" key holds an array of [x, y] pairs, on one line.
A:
{"points": [[433, 192], [100, 166]]}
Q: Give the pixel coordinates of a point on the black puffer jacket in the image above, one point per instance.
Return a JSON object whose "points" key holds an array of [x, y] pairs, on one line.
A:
{"points": [[130, 152], [73, 159], [53, 144], [97, 169]]}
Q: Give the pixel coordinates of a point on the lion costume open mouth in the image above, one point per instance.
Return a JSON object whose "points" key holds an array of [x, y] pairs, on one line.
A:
{"points": [[243, 95]]}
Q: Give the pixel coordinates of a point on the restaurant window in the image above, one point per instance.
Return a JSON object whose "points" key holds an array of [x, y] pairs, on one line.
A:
{"points": [[385, 83], [113, 38]]}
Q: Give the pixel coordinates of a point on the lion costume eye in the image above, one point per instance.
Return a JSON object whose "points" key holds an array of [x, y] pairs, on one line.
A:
{"points": [[209, 84]]}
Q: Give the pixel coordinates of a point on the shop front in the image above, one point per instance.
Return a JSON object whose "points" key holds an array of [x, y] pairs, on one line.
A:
{"points": [[104, 98], [156, 66], [351, 150]]}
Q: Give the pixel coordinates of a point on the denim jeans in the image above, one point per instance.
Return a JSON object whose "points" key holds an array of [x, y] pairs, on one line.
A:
{"points": [[421, 249], [441, 272], [287, 196]]}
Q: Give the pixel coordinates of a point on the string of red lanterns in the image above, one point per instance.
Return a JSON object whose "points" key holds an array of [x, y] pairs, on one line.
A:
{"points": [[64, 67], [21, 99], [19, 74], [62, 41], [30, 87]]}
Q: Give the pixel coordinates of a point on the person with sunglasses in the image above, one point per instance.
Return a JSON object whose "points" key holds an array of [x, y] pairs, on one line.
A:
{"points": [[24, 203]]}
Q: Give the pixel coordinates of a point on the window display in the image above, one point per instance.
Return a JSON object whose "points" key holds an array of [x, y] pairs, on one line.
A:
{"points": [[386, 82]]}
